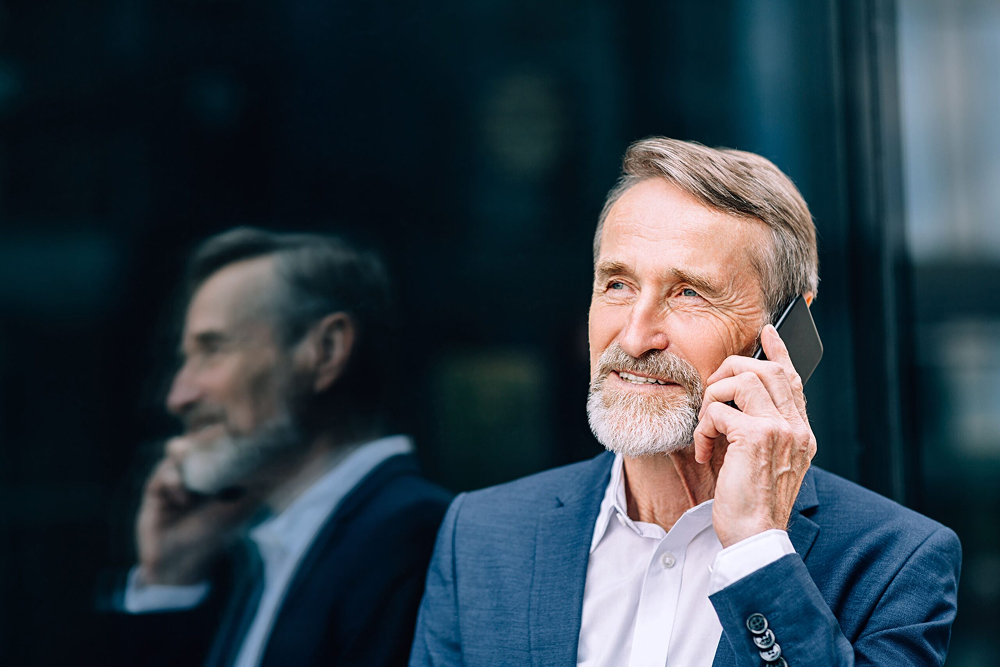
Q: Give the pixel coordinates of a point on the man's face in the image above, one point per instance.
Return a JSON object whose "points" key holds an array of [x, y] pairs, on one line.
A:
{"points": [[233, 392], [674, 294]]}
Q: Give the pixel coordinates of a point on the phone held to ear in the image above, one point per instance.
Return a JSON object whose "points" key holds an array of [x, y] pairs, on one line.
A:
{"points": [[797, 329]]}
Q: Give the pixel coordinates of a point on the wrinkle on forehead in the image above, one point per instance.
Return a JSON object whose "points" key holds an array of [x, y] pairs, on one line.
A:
{"points": [[235, 296]]}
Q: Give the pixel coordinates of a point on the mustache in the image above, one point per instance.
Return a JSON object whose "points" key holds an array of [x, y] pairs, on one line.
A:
{"points": [[655, 363], [202, 415]]}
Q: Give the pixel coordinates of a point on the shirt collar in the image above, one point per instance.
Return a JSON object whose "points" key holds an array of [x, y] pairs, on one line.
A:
{"points": [[614, 504], [294, 529]]}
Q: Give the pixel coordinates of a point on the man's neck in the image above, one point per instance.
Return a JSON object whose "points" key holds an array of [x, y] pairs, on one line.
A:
{"points": [[659, 489], [295, 477]]}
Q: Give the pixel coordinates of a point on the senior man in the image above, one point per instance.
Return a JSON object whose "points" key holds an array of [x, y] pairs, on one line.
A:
{"points": [[704, 537], [284, 526]]}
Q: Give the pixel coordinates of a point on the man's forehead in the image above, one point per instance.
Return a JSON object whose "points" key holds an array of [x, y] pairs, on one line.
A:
{"points": [[655, 208], [656, 226], [235, 294]]}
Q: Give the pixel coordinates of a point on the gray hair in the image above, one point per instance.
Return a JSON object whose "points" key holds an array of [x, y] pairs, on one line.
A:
{"points": [[741, 184], [318, 274]]}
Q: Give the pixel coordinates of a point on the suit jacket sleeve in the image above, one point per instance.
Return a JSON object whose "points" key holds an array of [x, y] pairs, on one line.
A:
{"points": [[156, 639], [910, 623], [437, 641]]}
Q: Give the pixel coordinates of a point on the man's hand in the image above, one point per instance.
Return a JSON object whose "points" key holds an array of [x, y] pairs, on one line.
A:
{"points": [[181, 534], [770, 443]]}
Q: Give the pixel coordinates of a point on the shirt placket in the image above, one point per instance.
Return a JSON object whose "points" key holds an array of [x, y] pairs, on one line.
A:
{"points": [[661, 591], [657, 610]]}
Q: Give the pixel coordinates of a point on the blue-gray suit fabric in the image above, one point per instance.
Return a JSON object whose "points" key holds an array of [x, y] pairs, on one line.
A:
{"points": [[870, 582]]}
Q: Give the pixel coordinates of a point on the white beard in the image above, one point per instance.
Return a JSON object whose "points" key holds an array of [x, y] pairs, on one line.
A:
{"points": [[638, 425], [228, 461]]}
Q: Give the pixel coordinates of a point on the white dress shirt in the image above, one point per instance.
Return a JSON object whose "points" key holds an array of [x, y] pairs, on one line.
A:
{"points": [[646, 598], [282, 541]]}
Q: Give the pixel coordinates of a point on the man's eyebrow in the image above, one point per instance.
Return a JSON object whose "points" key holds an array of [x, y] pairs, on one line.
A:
{"points": [[608, 269], [700, 283], [210, 337], [205, 339]]}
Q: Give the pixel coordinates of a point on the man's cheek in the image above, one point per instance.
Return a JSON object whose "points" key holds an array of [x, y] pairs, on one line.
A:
{"points": [[715, 343], [240, 419]]}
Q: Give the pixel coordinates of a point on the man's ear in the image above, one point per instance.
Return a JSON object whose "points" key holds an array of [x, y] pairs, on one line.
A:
{"points": [[331, 341]]}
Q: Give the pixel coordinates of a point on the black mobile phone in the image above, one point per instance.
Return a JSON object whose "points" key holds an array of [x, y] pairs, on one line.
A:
{"points": [[796, 327]]}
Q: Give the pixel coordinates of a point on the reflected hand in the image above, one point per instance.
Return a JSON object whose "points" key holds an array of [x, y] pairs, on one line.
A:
{"points": [[181, 534], [770, 443]]}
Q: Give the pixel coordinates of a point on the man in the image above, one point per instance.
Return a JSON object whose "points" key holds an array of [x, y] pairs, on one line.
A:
{"points": [[282, 527], [704, 537]]}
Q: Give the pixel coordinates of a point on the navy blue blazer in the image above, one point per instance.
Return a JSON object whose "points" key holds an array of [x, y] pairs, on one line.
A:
{"points": [[353, 599], [871, 582]]}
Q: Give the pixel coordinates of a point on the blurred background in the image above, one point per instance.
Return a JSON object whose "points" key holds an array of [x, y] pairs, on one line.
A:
{"points": [[473, 142]]}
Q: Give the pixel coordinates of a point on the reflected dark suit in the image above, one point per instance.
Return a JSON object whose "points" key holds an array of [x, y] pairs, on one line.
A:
{"points": [[353, 599]]}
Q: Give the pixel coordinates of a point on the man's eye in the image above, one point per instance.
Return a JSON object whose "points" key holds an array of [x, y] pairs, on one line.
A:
{"points": [[205, 354], [687, 291], [617, 285]]}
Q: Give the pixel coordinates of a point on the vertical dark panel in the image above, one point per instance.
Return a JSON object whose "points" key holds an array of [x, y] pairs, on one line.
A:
{"points": [[877, 256]]}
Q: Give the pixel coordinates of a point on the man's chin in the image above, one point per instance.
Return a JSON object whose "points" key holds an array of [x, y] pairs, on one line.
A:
{"points": [[205, 482], [214, 472], [642, 450], [238, 461], [637, 434]]}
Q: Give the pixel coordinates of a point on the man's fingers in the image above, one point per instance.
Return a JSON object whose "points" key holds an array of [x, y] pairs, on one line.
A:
{"points": [[716, 419], [746, 390], [167, 484], [780, 383], [178, 448], [774, 347], [777, 351]]}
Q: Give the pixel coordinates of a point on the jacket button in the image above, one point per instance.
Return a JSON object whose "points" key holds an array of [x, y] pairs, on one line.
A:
{"points": [[757, 624], [764, 641], [780, 662], [771, 654]]}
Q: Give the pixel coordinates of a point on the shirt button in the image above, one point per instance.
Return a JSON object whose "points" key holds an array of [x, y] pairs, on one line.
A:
{"points": [[621, 520], [668, 560], [771, 654]]}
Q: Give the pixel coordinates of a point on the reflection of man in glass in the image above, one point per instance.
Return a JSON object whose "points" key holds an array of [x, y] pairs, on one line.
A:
{"points": [[282, 527], [704, 537]]}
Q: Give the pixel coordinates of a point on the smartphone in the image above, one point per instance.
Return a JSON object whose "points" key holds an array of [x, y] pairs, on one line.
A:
{"points": [[796, 327]]}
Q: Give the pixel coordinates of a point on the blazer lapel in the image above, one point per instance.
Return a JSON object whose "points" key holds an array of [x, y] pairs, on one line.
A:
{"points": [[300, 623], [724, 655], [562, 550], [802, 532]]}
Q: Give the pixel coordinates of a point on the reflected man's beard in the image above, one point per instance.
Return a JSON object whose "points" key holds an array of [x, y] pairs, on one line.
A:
{"points": [[228, 461], [640, 424]]}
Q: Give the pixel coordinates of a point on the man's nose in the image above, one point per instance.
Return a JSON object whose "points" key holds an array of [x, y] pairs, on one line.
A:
{"points": [[645, 329], [184, 392]]}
